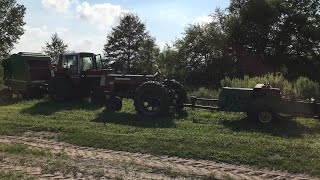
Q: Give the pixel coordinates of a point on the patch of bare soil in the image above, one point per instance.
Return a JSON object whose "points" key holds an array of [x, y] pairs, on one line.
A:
{"points": [[74, 162]]}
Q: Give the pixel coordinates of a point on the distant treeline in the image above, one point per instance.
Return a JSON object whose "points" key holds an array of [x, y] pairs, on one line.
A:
{"points": [[248, 38]]}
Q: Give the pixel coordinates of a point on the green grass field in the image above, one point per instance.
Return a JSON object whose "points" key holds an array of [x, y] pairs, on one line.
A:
{"points": [[292, 145]]}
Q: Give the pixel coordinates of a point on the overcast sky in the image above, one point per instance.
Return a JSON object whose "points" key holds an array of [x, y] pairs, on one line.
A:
{"points": [[84, 24]]}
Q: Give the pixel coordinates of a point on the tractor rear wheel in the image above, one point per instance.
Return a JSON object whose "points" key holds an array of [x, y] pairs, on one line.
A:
{"points": [[177, 95], [151, 99], [60, 89]]}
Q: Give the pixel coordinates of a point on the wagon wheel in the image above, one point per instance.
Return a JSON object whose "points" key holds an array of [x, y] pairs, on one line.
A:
{"points": [[265, 116], [151, 99], [261, 111], [177, 95], [113, 104], [60, 89]]}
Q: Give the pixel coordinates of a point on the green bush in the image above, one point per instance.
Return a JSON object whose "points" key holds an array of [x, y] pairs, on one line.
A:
{"points": [[275, 80], [302, 88], [305, 88]]}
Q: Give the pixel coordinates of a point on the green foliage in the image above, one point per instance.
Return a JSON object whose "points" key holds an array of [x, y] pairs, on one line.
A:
{"points": [[249, 38], [148, 52], [203, 53], [302, 88], [11, 25], [169, 63], [306, 88], [204, 93], [55, 47], [129, 47]]}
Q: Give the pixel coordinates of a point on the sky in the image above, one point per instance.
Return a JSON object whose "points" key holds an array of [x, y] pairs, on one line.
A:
{"points": [[85, 24]]}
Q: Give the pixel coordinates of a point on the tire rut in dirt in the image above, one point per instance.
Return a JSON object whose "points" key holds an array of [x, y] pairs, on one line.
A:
{"points": [[199, 167]]}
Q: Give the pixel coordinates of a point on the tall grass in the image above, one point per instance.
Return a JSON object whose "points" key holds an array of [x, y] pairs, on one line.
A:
{"points": [[302, 88], [204, 92], [275, 80]]}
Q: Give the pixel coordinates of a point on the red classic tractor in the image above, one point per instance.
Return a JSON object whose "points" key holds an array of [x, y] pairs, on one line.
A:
{"points": [[82, 75]]}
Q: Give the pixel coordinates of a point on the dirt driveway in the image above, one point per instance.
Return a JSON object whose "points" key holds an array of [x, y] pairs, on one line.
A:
{"points": [[59, 160]]}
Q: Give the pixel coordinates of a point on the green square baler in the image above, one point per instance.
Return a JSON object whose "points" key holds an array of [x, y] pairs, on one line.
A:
{"points": [[261, 102]]}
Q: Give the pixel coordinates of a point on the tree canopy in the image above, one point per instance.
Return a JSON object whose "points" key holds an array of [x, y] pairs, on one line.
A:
{"points": [[55, 47], [11, 25], [130, 47], [250, 37]]}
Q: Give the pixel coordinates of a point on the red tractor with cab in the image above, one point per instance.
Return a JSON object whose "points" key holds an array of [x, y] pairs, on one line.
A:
{"points": [[83, 75]]}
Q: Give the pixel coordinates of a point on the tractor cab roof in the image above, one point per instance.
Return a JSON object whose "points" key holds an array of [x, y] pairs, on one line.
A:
{"points": [[78, 53]]}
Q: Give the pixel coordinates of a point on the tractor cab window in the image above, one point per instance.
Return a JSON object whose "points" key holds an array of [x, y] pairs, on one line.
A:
{"points": [[86, 63], [70, 62], [99, 61]]}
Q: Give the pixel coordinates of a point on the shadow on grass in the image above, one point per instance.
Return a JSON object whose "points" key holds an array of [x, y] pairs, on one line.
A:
{"points": [[286, 127], [48, 107], [10, 102], [129, 119]]}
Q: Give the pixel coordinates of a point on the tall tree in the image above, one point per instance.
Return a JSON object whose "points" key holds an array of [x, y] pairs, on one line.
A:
{"points": [[279, 33], [11, 25], [148, 53], [204, 52], [129, 44], [168, 62], [55, 47]]}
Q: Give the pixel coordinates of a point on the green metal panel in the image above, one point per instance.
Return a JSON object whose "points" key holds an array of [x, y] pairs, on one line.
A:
{"points": [[235, 99], [17, 71]]}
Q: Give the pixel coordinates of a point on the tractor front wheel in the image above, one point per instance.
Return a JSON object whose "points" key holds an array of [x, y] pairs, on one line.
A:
{"points": [[113, 104], [151, 99], [60, 89]]}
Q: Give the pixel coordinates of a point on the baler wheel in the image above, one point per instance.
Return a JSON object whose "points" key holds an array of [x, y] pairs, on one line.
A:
{"points": [[265, 116]]}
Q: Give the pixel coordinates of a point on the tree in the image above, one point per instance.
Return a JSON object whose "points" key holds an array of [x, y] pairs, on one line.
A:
{"points": [[277, 33], [55, 47], [168, 62], [129, 45], [205, 54], [11, 25], [148, 53]]}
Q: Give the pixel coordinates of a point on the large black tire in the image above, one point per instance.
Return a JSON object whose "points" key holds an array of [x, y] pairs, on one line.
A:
{"points": [[113, 104], [177, 95], [151, 99], [60, 89]]}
